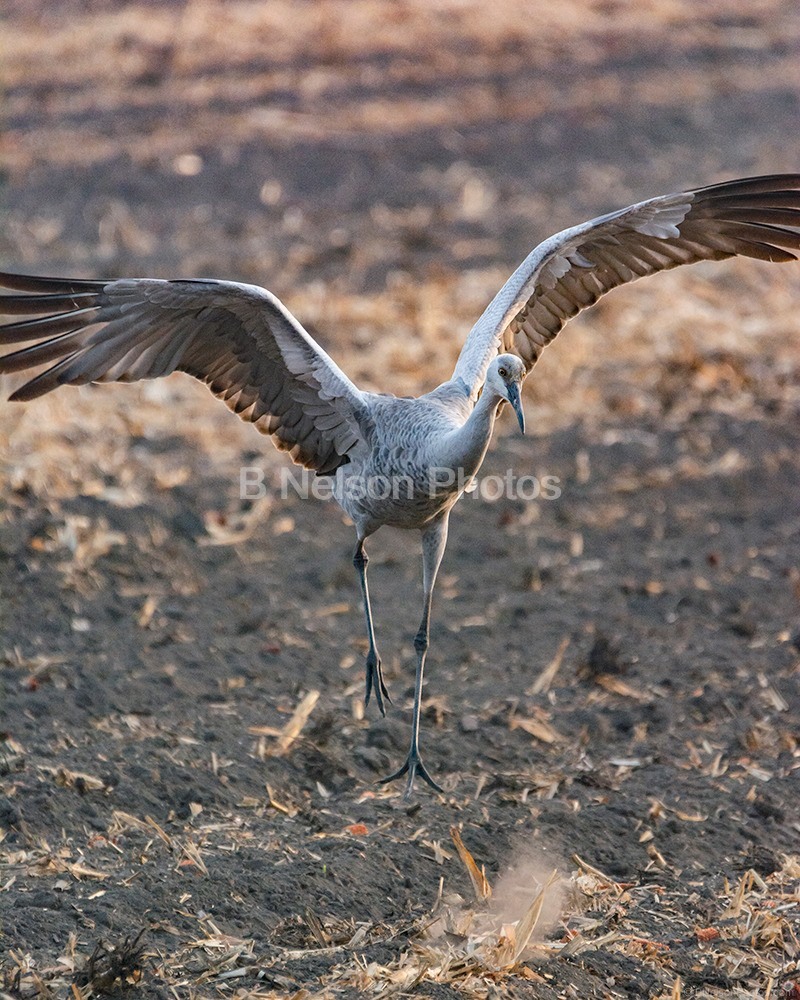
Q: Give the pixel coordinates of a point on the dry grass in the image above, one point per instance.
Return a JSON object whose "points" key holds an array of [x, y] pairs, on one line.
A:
{"points": [[165, 88], [750, 942], [251, 56]]}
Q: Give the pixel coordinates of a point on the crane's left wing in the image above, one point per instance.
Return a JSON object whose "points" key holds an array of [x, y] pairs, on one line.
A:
{"points": [[238, 339], [755, 217]]}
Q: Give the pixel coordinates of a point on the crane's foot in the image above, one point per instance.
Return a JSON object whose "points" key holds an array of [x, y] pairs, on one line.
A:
{"points": [[375, 682], [412, 767]]}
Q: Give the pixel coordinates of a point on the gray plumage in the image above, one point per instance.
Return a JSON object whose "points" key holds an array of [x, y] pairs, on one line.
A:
{"points": [[391, 457]]}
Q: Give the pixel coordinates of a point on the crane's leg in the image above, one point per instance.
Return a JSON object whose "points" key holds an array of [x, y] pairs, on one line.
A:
{"points": [[434, 540], [374, 672]]}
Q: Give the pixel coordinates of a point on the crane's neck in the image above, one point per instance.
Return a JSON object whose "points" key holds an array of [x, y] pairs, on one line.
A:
{"points": [[469, 443]]}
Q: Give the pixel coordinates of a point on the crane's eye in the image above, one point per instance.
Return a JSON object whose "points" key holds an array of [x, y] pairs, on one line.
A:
{"points": [[502, 372]]}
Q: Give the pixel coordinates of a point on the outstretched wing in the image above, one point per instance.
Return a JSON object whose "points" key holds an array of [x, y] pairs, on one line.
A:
{"points": [[571, 270], [238, 339]]}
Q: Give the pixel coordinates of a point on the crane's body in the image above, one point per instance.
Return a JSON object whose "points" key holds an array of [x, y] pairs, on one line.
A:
{"points": [[399, 477], [397, 461]]}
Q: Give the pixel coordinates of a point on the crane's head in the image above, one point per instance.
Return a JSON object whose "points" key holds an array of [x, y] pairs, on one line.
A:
{"points": [[505, 376]]}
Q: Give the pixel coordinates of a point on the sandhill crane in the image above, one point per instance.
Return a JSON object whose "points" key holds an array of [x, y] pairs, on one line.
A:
{"points": [[248, 348]]}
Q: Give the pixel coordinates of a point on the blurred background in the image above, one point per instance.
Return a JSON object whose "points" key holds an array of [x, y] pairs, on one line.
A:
{"points": [[383, 166]]}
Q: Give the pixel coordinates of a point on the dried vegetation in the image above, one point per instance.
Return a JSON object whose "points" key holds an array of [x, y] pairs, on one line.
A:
{"points": [[187, 802]]}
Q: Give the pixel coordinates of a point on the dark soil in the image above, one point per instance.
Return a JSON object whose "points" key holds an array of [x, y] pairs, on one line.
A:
{"points": [[151, 833]]}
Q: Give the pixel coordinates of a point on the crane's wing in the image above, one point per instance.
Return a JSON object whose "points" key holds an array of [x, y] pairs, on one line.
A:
{"points": [[238, 339], [571, 270]]}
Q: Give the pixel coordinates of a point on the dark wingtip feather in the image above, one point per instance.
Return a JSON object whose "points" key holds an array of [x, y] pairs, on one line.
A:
{"points": [[38, 354], [33, 389], [51, 378], [24, 394], [752, 185], [28, 305], [35, 283], [47, 326]]}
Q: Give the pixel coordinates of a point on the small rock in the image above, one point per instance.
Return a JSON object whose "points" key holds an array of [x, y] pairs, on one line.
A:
{"points": [[469, 723]]}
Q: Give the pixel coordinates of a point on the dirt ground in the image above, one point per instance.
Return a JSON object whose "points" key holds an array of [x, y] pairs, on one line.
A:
{"points": [[189, 804]]}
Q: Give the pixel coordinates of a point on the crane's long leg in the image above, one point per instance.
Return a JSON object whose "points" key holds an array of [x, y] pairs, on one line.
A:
{"points": [[374, 672], [434, 540]]}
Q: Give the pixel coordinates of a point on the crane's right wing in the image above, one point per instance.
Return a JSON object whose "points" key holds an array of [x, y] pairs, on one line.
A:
{"points": [[570, 271], [238, 339]]}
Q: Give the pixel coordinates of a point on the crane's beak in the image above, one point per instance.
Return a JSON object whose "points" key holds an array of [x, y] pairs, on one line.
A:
{"points": [[516, 402]]}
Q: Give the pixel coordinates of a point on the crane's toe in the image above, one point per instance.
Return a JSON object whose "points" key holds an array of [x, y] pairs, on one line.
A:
{"points": [[412, 767], [376, 683]]}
